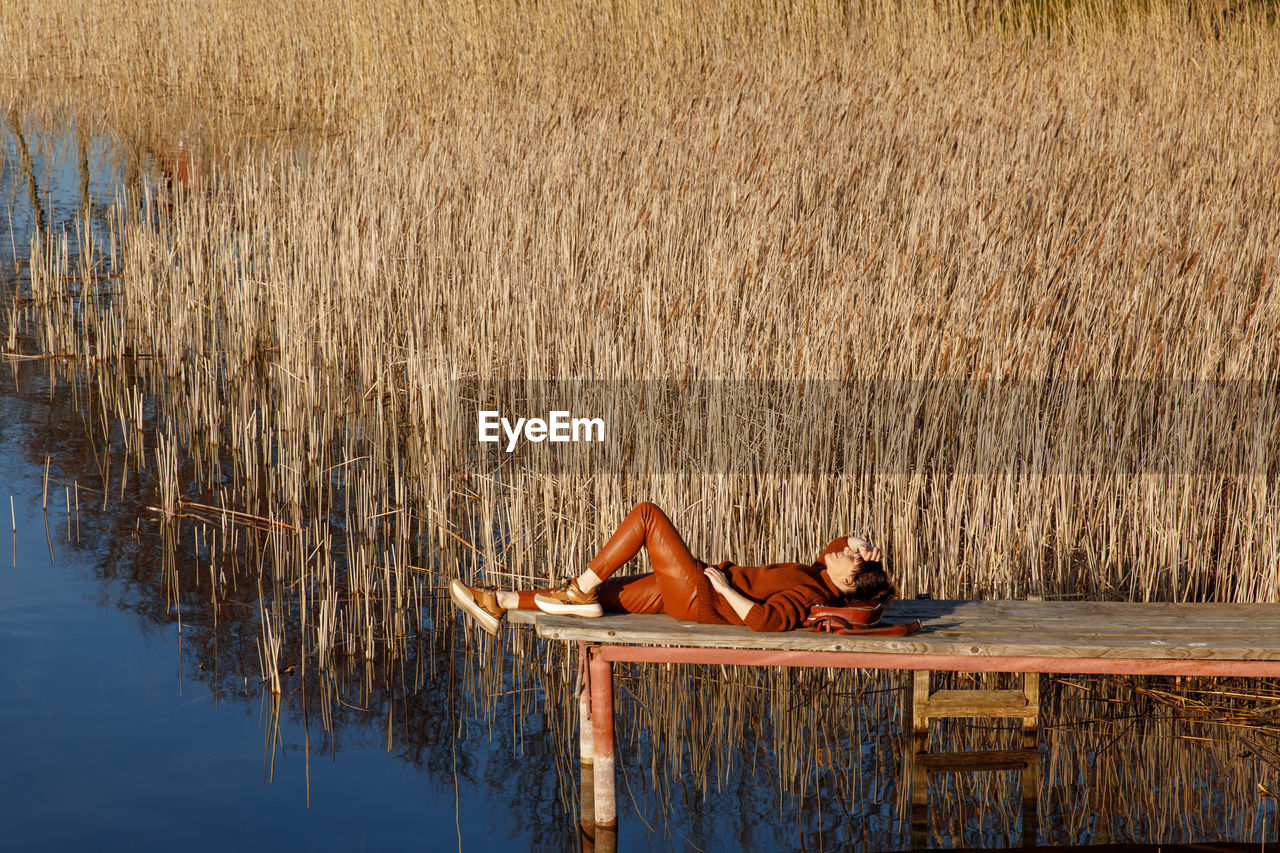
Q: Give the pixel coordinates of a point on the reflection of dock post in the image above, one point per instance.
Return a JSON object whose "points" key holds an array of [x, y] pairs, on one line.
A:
{"points": [[586, 791], [919, 801], [1030, 796], [605, 805]]}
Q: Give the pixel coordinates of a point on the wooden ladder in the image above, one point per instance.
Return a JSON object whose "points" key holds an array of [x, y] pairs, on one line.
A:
{"points": [[929, 704], [1021, 704]]}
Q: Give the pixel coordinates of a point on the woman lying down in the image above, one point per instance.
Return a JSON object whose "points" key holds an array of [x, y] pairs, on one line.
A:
{"points": [[776, 597]]}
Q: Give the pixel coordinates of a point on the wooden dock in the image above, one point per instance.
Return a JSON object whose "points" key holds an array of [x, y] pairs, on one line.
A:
{"points": [[1027, 637], [1002, 636]]}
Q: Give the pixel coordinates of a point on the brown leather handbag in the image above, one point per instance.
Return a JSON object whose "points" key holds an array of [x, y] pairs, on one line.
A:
{"points": [[857, 618]]}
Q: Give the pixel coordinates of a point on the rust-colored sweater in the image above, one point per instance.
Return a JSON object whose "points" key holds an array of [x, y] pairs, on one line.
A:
{"points": [[784, 592]]}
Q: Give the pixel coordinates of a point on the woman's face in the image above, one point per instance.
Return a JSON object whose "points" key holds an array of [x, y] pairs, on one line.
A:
{"points": [[843, 566]]}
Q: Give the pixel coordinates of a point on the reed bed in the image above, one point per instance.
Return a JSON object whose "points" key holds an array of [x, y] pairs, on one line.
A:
{"points": [[1037, 348], [994, 288], [1117, 764]]}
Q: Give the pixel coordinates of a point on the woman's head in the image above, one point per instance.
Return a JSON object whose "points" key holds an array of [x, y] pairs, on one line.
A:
{"points": [[859, 578], [871, 584]]}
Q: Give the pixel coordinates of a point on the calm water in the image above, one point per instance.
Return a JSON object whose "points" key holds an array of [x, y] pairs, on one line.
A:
{"points": [[118, 733], [135, 718], [124, 728]]}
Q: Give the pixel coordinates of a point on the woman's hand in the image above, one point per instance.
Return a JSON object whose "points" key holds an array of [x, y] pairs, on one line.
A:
{"points": [[863, 549], [739, 602], [718, 581]]}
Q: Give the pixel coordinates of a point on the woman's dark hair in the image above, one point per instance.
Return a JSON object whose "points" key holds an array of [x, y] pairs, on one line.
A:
{"points": [[871, 583]]}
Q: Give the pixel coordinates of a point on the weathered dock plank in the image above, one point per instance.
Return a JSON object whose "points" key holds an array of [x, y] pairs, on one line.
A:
{"points": [[1068, 630]]}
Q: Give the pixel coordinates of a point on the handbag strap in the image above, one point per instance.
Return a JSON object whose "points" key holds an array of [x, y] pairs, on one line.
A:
{"points": [[831, 625]]}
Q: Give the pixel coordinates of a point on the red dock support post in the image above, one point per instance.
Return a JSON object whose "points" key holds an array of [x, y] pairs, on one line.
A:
{"points": [[601, 672]]}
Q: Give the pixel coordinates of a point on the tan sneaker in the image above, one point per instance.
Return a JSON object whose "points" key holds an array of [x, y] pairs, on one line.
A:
{"points": [[568, 600], [480, 603]]}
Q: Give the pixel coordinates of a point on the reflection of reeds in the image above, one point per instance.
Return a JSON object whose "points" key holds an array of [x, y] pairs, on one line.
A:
{"points": [[1153, 772], [1114, 765], [270, 642]]}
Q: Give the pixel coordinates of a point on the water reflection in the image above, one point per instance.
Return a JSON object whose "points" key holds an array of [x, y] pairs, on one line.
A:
{"points": [[711, 758]]}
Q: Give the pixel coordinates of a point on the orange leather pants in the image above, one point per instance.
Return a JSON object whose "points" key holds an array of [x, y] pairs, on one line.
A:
{"points": [[672, 586]]}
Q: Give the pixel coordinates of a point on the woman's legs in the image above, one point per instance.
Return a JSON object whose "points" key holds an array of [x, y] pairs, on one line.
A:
{"points": [[634, 594], [676, 572], [671, 588]]}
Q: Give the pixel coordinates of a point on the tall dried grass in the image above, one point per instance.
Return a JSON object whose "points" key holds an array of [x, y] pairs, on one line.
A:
{"points": [[1068, 214]]}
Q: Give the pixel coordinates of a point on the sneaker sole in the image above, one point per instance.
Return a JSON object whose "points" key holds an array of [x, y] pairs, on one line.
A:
{"points": [[462, 597], [559, 608]]}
